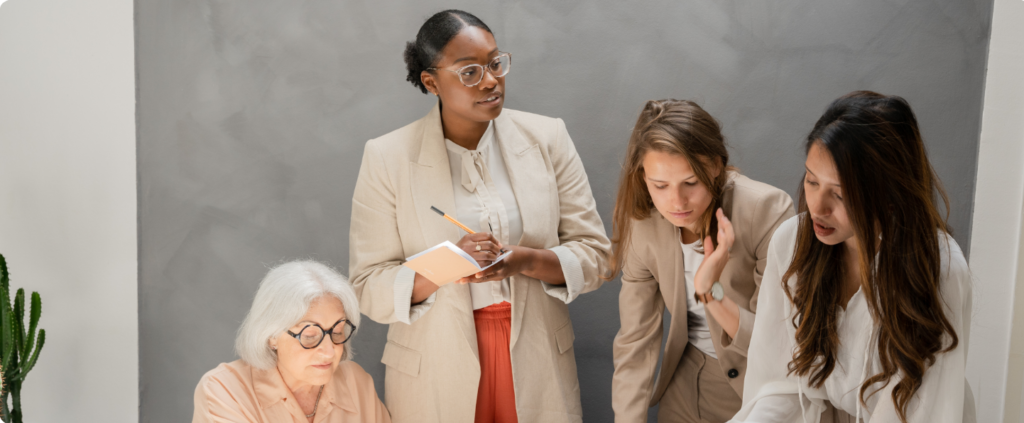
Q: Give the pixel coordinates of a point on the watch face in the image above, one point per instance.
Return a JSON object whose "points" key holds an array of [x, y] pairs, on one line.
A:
{"points": [[717, 292]]}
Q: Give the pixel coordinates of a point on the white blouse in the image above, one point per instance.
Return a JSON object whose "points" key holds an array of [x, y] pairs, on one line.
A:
{"points": [[697, 329], [485, 202], [771, 395]]}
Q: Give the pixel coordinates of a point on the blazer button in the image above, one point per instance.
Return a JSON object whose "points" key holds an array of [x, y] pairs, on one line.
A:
{"points": [[733, 373]]}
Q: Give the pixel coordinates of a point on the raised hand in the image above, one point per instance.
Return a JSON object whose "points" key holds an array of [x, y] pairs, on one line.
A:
{"points": [[715, 259]]}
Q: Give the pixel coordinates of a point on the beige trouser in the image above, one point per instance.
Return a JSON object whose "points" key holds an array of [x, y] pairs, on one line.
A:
{"points": [[699, 392]]}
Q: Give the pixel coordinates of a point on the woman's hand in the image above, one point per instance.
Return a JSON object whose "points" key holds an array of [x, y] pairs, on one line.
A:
{"points": [[481, 246], [715, 259], [514, 264]]}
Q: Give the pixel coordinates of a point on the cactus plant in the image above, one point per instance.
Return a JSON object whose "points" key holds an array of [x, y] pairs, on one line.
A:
{"points": [[19, 348]]}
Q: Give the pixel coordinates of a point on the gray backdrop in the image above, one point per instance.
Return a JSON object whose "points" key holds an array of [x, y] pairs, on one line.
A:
{"points": [[252, 116]]}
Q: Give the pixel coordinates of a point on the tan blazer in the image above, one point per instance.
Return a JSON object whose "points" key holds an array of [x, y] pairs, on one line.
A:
{"points": [[433, 369], [237, 392], [652, 279]]}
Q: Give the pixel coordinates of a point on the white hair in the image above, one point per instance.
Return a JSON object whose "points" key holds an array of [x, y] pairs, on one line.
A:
{"points": [[284, 296]]}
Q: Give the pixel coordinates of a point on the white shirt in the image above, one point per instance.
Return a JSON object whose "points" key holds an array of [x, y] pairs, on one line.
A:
{"points": [[696, 321], [770, 395], [572, 197], [485, 202]]}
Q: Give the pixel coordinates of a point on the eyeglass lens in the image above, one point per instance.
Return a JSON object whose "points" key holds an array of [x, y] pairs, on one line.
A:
{"points": [[473, 74], [311, 336]]}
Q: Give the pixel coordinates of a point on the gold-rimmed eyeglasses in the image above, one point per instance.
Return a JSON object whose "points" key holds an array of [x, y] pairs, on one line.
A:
{"points": [[471, 75]]}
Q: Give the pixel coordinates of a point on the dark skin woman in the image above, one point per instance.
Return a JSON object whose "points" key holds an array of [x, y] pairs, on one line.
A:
{"points": [[494, 346], [465, 114]]}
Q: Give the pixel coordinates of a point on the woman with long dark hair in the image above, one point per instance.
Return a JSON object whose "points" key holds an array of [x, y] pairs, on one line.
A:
{"points": [[866, 300], [498, 345], [691, 236]]}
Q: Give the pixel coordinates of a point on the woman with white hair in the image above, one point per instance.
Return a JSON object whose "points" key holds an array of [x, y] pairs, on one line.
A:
{"points": [[287, 372]]}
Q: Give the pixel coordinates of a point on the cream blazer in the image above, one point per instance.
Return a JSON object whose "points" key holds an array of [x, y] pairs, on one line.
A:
{"points": [[433, 369], [652, 279]]}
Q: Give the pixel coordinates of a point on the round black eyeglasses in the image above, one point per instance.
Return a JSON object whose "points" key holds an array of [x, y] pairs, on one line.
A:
{"points": [[312, 335]]}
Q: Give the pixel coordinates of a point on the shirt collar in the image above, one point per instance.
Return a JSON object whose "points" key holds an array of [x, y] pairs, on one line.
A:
{"points": [[339, 391], [269, 386], [270, 389]]}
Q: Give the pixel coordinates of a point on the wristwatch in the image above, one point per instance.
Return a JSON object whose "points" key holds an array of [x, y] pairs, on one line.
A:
{"points": [[716, 293]]}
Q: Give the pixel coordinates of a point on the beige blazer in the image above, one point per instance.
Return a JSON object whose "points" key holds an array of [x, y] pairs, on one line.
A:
{"points": [[433, 369], [652, 279]]}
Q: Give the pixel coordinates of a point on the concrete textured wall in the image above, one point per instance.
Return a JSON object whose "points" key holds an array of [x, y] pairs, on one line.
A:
{"points": [[252, 116]]}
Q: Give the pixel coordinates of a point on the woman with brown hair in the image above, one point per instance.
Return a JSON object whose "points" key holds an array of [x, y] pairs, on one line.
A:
{"points": [[691, 234], [866, 300]]}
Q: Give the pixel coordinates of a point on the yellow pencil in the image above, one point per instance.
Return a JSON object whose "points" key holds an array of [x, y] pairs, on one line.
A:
{"points": [[459, 224], [452, 219]]}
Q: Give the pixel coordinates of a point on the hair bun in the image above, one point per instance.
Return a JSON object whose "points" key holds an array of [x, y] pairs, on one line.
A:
{"points": [[421, 53], [413, 65]]}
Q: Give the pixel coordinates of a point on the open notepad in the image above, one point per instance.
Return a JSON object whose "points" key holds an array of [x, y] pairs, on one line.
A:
{"points": [[445, 263]]}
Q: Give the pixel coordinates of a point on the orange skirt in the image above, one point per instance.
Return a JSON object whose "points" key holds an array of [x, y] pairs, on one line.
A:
{"points": [[496, 399]]}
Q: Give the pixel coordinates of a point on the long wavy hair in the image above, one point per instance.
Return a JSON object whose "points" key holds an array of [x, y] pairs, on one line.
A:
{"points": [[890, 192], [678, 127]]}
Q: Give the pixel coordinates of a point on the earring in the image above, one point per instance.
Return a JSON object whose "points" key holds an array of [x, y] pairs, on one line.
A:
{"points": [[273, 348]]}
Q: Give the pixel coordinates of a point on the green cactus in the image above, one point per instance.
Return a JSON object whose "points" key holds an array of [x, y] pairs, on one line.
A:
{"points": [[19, 348]]}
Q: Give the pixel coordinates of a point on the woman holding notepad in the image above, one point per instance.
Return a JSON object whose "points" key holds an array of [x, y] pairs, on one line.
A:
{"points": [[495, 345]]}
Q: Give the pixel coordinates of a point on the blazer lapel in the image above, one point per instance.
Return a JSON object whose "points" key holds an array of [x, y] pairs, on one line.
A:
{"points": [[432, 183], [673, 285], [672, 282], [528, 175], [678, 285], [432, 186]]}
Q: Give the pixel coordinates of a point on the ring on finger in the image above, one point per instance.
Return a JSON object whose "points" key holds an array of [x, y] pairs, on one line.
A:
{"points": [[478, 246]]}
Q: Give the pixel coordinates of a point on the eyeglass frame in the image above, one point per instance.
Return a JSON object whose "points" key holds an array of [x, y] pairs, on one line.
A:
{"points": [[323, 333], [485, 68]]}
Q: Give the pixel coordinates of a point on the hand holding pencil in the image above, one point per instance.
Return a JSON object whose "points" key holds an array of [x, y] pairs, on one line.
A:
{"points": [[482, 246]]}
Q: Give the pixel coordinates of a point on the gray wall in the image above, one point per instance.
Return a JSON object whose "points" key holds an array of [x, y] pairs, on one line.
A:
{"points": [[252, 115]]}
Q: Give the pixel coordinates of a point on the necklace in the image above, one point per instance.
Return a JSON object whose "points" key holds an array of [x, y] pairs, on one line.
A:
{"points": [[317, 403]]}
